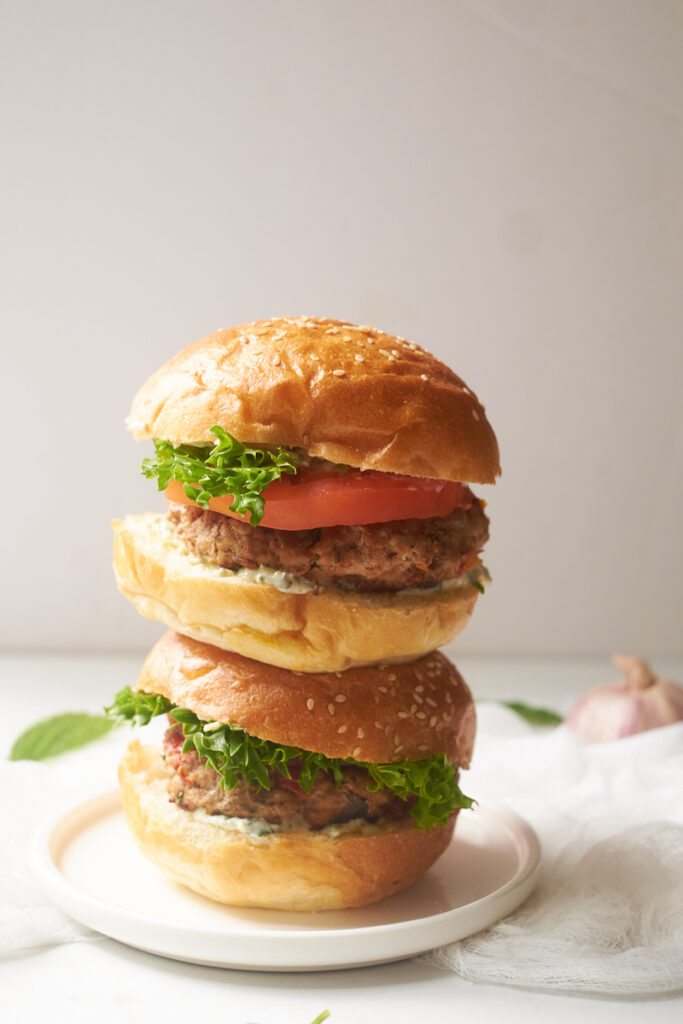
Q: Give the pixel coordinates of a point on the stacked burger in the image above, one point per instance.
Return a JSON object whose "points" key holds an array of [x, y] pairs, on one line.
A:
{"points": [[320, 542]]}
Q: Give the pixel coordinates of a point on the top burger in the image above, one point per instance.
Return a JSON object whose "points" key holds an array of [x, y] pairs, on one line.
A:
{"points": [[319, 513]]}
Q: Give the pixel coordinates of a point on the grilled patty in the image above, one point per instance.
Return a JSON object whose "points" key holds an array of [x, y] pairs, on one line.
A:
{"points": [[377, 557], [195, 784]]}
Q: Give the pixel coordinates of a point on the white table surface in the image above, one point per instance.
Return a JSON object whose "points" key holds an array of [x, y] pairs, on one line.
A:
{"points": [[105, 981]]}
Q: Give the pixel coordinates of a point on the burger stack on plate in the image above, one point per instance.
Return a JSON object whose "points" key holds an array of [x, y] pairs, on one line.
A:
{"points": [[320, 542]]}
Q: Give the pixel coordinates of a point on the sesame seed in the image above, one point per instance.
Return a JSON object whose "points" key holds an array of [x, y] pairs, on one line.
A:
{"points": [[392, 677], [432, 703], [310, 703], [395, 352], [403, 714], [398, 749], [332, 330], [276, 360], [330, 708], [387, 730], [420, 714], [413, 708], [359, 358], [382, 689], [338, 675], [419, 689], [475, 414], [397, 738], [356, 752], [360, 734], [418, 698], [341, 729], [370, 341], [432, 721], [449, 699], [304, 440], [423, 746], [339, 373], [423, 376], [340, 698], [378, 725]]}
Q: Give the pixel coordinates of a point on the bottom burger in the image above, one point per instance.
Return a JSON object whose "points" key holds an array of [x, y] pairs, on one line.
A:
{"points": [[295, 791]]}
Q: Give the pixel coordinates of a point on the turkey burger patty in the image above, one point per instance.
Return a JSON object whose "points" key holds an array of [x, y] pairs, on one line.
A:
{"points": [[389, 556], [195, 784]]}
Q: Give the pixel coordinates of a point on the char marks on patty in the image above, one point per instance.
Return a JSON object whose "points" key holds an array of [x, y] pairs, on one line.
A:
{"points": [[377, 557]]}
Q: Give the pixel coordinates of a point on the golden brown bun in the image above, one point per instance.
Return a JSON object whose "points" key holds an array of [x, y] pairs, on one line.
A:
{"points": [[345, 393], [307, 632], [297, 870], [392, 713]]}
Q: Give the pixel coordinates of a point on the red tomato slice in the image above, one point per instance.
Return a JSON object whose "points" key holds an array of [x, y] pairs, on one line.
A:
{"points": [[320, 498]]}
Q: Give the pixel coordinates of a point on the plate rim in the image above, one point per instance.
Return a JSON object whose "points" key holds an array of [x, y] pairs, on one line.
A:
{"points": [[52, 837]]}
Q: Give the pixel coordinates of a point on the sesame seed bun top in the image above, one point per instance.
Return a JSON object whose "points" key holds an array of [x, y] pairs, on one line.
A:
{"points": [[344, 393], [377, 714]]}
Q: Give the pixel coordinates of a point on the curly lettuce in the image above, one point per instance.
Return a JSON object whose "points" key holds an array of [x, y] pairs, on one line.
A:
{"points": [[229, 467], [236, 755]]}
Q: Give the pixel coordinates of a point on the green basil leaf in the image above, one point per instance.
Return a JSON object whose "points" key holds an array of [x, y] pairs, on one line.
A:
{"points": [[51, 736], [533, 715], [230, 467]]}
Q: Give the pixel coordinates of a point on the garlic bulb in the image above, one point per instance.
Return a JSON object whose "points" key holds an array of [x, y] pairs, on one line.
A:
{"points": [[637, 702]]}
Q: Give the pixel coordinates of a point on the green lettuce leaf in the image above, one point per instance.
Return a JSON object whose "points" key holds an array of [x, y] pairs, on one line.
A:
{"points": [[230, 467], [234, 754]]}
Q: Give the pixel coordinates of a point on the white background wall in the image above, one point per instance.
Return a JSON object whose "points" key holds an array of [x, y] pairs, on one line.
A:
{"points": [[499, 180]]}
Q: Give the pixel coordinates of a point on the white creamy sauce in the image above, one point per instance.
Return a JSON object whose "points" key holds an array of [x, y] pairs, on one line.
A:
{"points": [[258, 828]]}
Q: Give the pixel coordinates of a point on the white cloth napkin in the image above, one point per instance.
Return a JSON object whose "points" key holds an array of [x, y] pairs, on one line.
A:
{"points": [[606, 916], [607, 913]]}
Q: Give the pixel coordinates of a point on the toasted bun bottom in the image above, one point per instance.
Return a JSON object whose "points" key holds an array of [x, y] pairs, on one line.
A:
{"points": [[304, 632], [291, 871]]}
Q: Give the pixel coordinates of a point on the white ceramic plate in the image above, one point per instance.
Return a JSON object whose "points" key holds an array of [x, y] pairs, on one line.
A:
{"points": [[90, 867]]}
